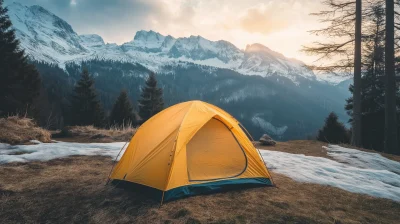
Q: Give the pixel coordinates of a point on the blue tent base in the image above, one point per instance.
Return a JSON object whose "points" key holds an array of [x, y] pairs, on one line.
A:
{"points": [[138, 190], [194, 189], [213, 187]]}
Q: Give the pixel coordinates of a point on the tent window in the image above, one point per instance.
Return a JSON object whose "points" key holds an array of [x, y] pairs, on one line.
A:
{"points": [[214, 153]]}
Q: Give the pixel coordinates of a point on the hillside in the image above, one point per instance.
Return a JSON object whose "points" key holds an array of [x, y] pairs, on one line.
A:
{"points": [[259, 86], [35, 191], [48, 38]]}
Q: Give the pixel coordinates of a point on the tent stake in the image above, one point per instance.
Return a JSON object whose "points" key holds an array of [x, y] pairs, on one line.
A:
{"points": [[162, 198]]}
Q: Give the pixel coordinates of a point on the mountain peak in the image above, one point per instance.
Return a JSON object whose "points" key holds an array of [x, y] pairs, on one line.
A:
{"points": [[37, 25], [196, 37], [256, 47], [148, 35], [47, 37], [40, 11], [92, 40]]}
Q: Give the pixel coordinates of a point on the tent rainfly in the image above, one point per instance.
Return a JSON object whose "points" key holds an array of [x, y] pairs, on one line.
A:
{"points": [[191, 148]]}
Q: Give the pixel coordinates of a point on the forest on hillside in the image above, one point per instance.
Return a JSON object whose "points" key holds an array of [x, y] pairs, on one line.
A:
{"points": [[369, 50]]}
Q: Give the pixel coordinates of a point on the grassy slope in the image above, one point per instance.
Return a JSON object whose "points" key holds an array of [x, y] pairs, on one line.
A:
{"points": [[87, 134], [20, 130], [72, 190]]}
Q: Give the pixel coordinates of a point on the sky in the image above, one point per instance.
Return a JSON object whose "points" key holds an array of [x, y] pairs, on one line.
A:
{"points": [[281, 25]]}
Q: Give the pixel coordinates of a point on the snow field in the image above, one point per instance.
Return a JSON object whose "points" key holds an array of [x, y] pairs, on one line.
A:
{"points": [[357, 171]]}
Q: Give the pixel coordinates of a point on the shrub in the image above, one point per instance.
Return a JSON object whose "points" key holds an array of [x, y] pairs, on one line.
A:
{"points": [[333, 131]]}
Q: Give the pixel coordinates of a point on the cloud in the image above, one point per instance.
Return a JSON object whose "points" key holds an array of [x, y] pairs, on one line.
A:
{"points": [[271, 17], [258, 21]]}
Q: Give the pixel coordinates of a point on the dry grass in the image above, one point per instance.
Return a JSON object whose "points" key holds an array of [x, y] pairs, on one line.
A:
{"points": [[93, 134], [19, 130], [71, 190], [306, 147], [313, 148]]}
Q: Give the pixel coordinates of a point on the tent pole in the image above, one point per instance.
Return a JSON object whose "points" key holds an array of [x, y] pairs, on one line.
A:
{"points": [[112, 168], [259, 153]]}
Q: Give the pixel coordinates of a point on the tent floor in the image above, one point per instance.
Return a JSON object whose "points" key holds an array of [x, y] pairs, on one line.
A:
{"points": [[195, 189]]}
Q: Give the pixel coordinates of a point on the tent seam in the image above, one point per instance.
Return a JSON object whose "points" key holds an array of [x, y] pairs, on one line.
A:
{"points": [[259, 153], [171, 161]]}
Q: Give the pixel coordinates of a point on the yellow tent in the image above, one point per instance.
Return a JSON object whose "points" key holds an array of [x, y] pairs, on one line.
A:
{"points": [[191, 148]]}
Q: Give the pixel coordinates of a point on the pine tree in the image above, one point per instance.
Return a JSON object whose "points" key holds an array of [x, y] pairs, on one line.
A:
{"points": [[356, 138], [344, 19], [151, 101], [333, 131], [391, 143], [373, 86], [122, 111], [19, 80], [85, 107]]}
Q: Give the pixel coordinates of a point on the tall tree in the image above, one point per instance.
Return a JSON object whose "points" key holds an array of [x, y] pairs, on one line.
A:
{"points": [[372, 89], [356, 138], [85, 107], [343, 51], [122, 111], [151, 101], [391, 143], [19, 80]]}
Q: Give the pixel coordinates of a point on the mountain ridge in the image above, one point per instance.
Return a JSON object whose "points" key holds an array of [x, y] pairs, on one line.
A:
{"points": [[257, 85], [46, 37]]}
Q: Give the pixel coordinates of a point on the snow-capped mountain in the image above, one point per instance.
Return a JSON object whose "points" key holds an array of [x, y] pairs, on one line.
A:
{"points": [[259, 86], [43, 35], [149, 42], [46, 37], [197, 48], [260, 60], [92, 40]]}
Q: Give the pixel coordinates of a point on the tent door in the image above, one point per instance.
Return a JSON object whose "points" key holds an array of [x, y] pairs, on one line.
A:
{"points": [[214, 153]]}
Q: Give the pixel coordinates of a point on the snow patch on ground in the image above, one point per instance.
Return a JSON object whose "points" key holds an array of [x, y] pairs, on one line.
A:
{"points": [[366, 173], [361, 159], [357, 171], [48, 151]]}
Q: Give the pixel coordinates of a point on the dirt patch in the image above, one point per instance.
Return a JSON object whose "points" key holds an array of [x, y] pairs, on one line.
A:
{"points": [[314, 148], [20, 130], [306, 147], [85, 134], [71, 190]]}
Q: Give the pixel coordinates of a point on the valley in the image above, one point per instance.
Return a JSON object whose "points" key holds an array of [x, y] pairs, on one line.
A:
{"points": [[257, 85]]}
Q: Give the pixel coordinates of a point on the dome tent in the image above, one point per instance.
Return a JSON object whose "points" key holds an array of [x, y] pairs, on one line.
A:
{"points": [[191, 148]]}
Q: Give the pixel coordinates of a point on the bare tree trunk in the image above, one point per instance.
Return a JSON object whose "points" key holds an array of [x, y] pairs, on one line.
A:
{"points": [[356, 134], [391, 144]]}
